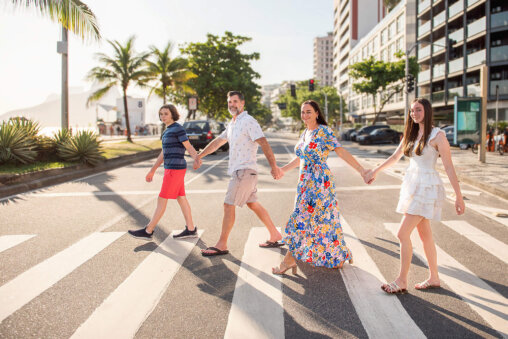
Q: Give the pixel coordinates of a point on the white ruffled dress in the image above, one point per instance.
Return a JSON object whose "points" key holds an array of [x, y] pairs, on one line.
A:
{"points": [[422, 192]]}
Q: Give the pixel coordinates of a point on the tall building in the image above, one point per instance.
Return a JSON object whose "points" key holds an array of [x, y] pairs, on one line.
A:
{"points": [[349, 26], [323, 60], [477, 31], [394, 33]]}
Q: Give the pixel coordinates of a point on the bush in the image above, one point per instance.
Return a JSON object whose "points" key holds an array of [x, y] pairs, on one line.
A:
{"points": [[15, 144], [46, 148], [83, 147], [30, 127], [62, 136]]}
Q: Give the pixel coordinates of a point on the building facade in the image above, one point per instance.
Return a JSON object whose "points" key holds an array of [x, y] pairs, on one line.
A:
{"points": [[136, 108], [323, 60], [477, 31]]}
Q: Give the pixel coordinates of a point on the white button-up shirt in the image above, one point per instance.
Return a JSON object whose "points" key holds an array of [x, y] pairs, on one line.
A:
{"points": [[241, 135]]}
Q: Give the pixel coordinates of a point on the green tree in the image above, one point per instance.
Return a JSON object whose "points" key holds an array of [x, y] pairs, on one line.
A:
{"points": [[168, 77], [74, 15], [124, 68], [221, 67], [293, 105], [380, 78], [390, 4]]}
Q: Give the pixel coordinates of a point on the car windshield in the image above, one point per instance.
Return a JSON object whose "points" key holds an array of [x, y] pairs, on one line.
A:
{"points": [[194, 126]]}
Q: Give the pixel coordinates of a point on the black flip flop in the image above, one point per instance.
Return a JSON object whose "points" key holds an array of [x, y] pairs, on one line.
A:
{"points": [[217, 252], [271, 244]]}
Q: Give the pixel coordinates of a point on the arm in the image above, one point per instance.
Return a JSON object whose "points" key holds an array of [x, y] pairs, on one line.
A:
{"points": [[290, 165], [267, 150], [351, 161], [443, 148], [158, 162], [193, 153], [371, 176], [212, 147]]}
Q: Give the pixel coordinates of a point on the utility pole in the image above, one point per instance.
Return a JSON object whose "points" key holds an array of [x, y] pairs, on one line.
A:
{"points": [[483, 117], [497, 104], [62, 47]]}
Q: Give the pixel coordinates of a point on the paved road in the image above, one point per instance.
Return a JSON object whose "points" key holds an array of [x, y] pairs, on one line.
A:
{"points": [[67, 268]]}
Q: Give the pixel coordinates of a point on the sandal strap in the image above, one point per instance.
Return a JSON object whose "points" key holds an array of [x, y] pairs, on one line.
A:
{"points": [[393, 287]]}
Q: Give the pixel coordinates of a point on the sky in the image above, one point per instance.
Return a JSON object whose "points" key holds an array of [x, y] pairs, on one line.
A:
{"points": [[282, 31]]}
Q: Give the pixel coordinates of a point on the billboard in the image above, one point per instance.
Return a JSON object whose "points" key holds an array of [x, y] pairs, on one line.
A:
{"points": [[467, 119]]}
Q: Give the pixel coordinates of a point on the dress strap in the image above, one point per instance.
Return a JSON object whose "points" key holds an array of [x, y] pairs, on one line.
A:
{"points": [[435, 131]]}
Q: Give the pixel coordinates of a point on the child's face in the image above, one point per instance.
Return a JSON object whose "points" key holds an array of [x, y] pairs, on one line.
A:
{"points": [[165, 116]]}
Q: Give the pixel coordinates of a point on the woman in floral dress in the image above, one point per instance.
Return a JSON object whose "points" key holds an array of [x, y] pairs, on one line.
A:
{"points": [[313, 232]]}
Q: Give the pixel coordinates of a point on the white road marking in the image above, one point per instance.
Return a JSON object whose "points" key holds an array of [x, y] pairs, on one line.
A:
{"points": [[8, 241], [489, 212], [382, 315], [256, 310], [480, 238], [129, 305], [28, 285], [482, 298]]}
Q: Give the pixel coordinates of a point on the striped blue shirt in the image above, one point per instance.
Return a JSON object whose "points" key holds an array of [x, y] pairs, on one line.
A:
{"points": [[172, 147]]}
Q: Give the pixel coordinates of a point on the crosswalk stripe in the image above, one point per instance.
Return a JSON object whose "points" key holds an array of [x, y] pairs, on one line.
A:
{"points": [[129, 305], [28, 285], [256, 310], [8, 241], [489, 212], [482, 298], [482, 239], [382, 315]]}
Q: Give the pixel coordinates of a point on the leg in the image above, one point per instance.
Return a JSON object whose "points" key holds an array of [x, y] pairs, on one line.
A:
{"points": [[227, 225], [263, 215], [407, 226], [429, 247], [186, 211], [287, 263], [157, 215]]}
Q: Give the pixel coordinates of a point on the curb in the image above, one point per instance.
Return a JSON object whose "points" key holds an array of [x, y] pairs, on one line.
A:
{"points": [[470, 181], [11, 185]]}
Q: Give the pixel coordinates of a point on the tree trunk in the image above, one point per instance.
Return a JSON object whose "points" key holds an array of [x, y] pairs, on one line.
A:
{"points": [[164, 94], [129, 139]]}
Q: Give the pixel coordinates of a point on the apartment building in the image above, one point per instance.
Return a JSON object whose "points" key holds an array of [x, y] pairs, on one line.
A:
{"points": [[349, 26], [323, 60], [478, 32], [394, 33]]}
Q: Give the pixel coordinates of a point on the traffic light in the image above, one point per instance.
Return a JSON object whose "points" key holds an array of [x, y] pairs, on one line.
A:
{"points": [[293, 91], [451, 51], [410, 83], [311, 85]]}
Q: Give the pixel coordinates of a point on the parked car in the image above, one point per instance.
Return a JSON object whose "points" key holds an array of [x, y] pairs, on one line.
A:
{"points": [[346, 134], [366, 130], [380, 136], [202, 132], [449, 134]]}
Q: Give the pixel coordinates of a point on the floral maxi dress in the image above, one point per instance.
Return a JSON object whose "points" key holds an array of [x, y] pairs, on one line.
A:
{"points": [[313, 232]]}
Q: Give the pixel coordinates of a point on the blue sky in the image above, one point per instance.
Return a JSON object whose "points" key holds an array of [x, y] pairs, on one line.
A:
{"points": [[282, 32]]}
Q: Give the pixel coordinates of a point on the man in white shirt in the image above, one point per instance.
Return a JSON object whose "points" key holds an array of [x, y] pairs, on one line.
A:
{"points": [[244, 135]]}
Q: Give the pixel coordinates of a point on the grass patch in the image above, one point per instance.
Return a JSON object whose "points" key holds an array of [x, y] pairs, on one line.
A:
{"points": [[116, 149], [37, 166]]}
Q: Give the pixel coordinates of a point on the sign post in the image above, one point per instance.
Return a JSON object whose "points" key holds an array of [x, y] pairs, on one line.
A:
{"points": [[192, 107]]}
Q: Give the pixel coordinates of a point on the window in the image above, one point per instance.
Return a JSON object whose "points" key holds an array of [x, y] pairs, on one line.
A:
{"points": [[384, 36], [400, 44], [400, 23], [392, 30]]}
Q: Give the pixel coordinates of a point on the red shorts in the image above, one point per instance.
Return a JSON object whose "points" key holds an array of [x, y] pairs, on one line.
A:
{"points": [[173, 184]]}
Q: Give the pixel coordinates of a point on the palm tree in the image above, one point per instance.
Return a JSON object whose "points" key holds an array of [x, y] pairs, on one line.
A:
{"points": [[74, 15], [168, 76], [122, 69]]}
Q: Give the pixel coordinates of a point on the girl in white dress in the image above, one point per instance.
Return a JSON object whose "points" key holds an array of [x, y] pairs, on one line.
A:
{"points": [[422, 192]]}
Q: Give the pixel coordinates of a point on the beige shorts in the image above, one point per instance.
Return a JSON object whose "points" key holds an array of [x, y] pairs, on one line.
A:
{"points": [[242, 187]]}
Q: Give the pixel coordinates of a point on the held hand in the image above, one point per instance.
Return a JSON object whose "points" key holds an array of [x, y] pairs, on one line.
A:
{"points": [[197, 163], [277, 173], [149, 176], [369, 177], [460, 207]]}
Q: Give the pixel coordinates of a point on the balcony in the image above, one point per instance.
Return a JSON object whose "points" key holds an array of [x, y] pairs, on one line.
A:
{"points": [[425, 28], [438, 97], [503, 87], [438, 70], [455, 92], [455, 8], [343, 78], [424, 76], [425, 96], [458, 35], [439, 19], [344, 64], [476, 27], [423, 5], [471, 2], [499, 20], [474, 90], [456, 65], [439, 45], [424, 52], [476, 58], [344, 39], [499, 53]]}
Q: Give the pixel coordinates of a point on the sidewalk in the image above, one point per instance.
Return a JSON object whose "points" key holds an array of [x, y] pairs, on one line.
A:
{"points": [[492, 176]]}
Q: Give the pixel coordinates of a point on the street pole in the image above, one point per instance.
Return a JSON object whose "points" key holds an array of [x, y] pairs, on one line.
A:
{"points": [[497, 104], [407, 93], [483, 119], [62, 48]]}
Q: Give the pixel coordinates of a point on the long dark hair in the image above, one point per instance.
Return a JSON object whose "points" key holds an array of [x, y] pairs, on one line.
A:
{"points": [[321, 118], [412, 128]]}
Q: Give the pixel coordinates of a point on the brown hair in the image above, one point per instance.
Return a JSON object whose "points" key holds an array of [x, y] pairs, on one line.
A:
{"points": [[174, 112], [237, 93], [411, 129], [321, 118]]}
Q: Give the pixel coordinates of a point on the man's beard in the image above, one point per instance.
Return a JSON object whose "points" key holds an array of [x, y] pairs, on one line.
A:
{"points": [[233, 111]]}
